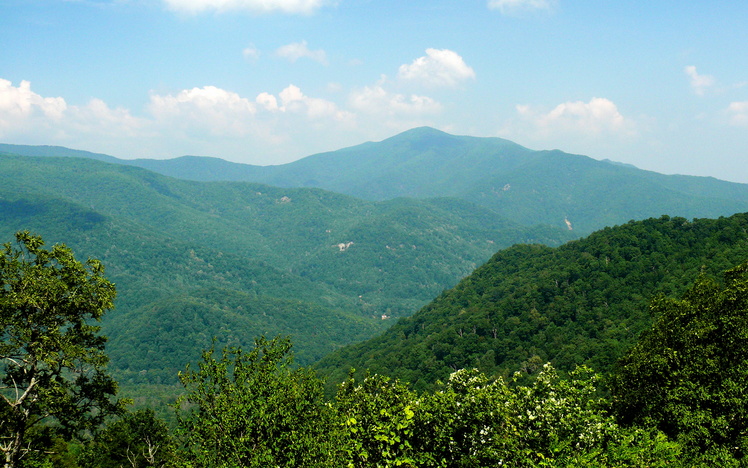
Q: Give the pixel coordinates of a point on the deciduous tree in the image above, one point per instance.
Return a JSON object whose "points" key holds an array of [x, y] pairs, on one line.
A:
{"points": [[52, 360]]}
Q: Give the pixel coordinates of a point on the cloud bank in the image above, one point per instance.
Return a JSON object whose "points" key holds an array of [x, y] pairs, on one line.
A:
{"points": [[596, 117], [212, 120], [596, 127]]}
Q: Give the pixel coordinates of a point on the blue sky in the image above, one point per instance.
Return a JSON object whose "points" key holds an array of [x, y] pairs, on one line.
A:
{"points": [[662, 85]]}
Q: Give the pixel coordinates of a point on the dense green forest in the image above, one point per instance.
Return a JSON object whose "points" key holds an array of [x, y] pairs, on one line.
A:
{"points": [[237, 260], [581, 303], [676, 398]]}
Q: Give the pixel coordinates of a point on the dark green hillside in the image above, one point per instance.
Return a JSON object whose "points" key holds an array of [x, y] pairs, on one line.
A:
{"points": [[162, 333], [295, 230], [173, 297], [182, 249], [557, 187], [582, 303]]}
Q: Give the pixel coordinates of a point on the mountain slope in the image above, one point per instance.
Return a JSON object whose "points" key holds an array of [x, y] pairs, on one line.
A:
{"points": [[581, 303], [292, 229], [182, 249], [154, 272]]}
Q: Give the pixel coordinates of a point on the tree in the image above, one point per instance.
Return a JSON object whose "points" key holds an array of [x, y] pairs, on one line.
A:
{"points": [[137, 439], [251, 409], [52, 360], [687, 374]]}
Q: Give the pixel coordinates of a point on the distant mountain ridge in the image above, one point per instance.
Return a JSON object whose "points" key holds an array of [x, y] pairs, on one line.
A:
{"points": [[529, 187]]}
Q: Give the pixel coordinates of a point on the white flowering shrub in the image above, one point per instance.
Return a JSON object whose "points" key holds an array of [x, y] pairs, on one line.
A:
{"points": [[474, 421]]}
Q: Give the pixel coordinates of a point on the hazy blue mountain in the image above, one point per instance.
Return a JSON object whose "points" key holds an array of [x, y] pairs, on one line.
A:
{"points": [[528, 187], [56, 151]]}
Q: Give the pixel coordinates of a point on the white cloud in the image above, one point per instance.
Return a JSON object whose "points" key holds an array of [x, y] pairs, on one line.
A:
{"points": [[699, 83], [738, 112], [377, 100], [216, 110], [271, 128], [599, 116], [596, 128], [98, 118], [516, 6], [24, 113], [295, 102], [259, 6], [267, 101], [437, 68], [20, 103], [298, 50]]}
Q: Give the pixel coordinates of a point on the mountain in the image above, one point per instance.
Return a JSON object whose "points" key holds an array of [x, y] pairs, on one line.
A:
{"points": [[528, 187], [193, 260], [584, 302]]}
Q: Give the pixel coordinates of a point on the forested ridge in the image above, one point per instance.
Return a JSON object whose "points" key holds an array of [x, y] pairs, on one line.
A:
{"points": [[581, 303], [237, 260]]}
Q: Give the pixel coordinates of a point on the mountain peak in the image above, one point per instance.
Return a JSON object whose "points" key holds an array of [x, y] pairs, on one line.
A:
{"points": [[420, 133]]}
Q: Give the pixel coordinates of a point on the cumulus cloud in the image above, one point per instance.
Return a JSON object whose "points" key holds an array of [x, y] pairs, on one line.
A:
{"points": [[516, 6], [437, 68], [738, 112], [19, 103], [209, 108], [595, 128], [597, 116], [294, 101], [298, 50], [214, 121], [377, 100], [97, 117], [258, 6], [699, 83], [24, 112]]}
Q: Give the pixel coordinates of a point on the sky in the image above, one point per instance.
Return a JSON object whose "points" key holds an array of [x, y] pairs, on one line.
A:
{"points": [[662, 85]]}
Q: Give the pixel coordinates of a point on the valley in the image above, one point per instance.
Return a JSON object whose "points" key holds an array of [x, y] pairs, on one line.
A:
{"points": [[334, 251]]}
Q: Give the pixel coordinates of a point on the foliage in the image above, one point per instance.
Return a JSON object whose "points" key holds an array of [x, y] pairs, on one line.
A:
{"points": [[252, 410], [52, 358], [137, 439], [687, 374], [377, 421], [473, 421]]}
